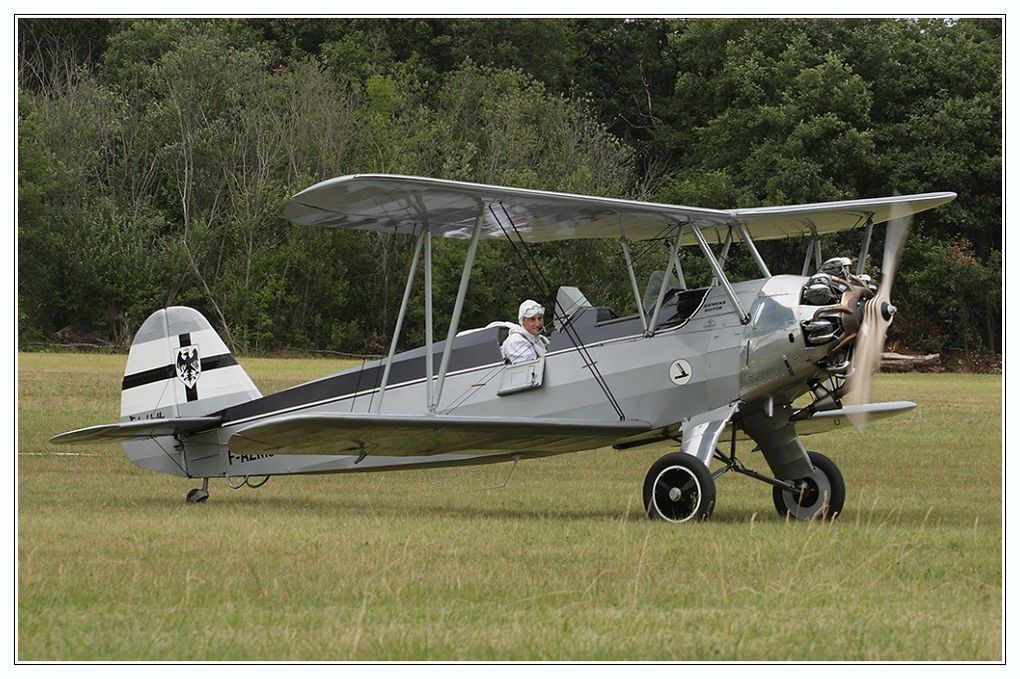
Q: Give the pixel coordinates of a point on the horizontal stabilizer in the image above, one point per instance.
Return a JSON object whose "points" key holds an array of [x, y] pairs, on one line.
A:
{"points": [[138, 429], [410, 435]]}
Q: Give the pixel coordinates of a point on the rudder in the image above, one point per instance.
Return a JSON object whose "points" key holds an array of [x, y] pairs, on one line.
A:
{"points": [[179, 367]]}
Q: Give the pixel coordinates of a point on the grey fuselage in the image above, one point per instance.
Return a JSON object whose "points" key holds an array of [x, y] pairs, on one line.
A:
{"points": [[728, 361]]}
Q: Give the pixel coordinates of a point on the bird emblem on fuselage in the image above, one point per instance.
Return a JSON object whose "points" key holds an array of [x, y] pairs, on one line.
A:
{"points": [[680, 372]]}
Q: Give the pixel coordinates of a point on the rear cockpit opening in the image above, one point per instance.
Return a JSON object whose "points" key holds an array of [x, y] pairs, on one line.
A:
{"points": [[678, 306]]}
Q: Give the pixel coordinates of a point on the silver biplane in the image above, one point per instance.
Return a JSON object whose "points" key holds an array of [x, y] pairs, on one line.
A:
{"points": [[705, 367]]}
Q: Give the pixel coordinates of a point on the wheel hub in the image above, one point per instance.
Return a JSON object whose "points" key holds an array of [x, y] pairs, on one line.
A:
{"points": [[808, 494], [676, 494]]}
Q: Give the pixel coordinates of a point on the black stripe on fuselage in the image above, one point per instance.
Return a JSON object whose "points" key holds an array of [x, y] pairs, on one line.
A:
{"points": [[167, 372]]}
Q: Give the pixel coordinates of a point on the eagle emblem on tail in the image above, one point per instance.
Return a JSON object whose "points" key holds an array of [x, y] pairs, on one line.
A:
{"points": [[189, 366]]}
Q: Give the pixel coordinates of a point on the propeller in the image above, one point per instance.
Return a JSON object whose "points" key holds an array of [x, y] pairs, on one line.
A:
{"points": [[878, 314]]}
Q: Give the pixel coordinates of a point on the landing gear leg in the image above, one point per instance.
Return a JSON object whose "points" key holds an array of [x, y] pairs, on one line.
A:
{"points": [[199, 494]]}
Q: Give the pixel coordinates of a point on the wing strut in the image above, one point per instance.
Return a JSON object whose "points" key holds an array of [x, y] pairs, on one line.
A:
{"points": [[862, 259], [814, 249], [428, 315], [673, 262], [707, 251], [633, 278], [458, 306], [400, 320], [806, 269], [746, 237], [724, 253]]}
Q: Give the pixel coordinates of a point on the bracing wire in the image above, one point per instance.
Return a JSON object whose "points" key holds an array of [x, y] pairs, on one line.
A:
{"points": [[543, 284], [357, 387], [652, 243], [461, 398], [171, 457]]}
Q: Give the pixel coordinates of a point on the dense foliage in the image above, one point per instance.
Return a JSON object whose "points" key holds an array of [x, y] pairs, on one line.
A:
{"points": [[155, 157]]}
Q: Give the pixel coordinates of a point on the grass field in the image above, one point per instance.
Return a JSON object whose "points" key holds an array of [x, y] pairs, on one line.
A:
{"points": [[558, 564]]}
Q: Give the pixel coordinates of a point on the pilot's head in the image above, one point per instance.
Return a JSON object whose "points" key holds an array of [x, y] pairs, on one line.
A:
{"points": [[530, 316]]}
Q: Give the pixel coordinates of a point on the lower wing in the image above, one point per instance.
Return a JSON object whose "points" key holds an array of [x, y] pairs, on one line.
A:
{"points": [[820, 422], [412, 435]]}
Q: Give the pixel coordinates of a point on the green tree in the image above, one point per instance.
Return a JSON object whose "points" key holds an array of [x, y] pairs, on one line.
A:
{"points": [[165, 149]]}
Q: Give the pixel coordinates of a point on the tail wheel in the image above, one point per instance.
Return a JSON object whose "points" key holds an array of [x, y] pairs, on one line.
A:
{"points": [[679, 488], [821, 497]]}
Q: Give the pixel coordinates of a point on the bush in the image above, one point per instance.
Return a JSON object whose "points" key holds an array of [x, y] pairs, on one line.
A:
{"points": [[949, 300]]}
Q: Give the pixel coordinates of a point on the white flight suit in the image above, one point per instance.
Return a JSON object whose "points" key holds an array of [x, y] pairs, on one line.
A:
{"points": [[522, 346]]}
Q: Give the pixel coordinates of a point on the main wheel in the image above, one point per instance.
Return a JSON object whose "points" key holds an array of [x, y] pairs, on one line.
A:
{"points": [[679, 488], [822, 496], [197, 495]]}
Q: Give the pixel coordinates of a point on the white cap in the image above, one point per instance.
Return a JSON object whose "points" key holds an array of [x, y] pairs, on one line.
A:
{"points": [[528, 309]]}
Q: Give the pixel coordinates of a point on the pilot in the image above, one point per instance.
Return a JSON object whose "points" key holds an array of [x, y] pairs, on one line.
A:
{"points": [[526, 341]]}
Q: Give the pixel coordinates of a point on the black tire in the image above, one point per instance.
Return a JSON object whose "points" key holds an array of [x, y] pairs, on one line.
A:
{"points": [[197, 495], [679, 488], [823, 496]]}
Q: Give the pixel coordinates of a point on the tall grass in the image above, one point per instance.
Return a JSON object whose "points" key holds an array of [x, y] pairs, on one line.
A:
{"points": [[559, 563]]}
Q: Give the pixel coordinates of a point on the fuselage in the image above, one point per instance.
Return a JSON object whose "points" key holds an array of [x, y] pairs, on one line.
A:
{"points": [[699, 357]]}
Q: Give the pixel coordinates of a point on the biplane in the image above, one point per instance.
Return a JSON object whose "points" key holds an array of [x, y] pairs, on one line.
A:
{"points": [[702, 366]]}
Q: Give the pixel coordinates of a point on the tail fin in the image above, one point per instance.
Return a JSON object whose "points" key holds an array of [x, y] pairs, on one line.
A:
{"points": [[179, 367]]}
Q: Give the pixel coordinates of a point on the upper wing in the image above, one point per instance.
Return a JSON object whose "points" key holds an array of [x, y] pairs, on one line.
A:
{"points": [[398, 204], [138, 429], [400, 435], [765, 223]]}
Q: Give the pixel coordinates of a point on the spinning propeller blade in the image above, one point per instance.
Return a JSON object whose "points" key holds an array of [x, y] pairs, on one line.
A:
{"points": [[878, 313]]}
